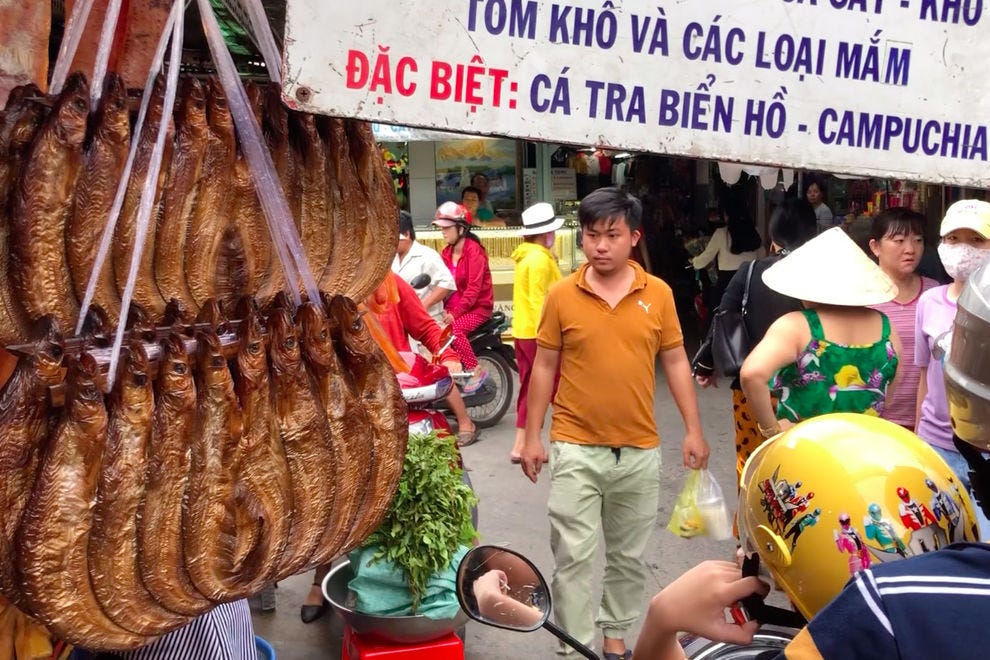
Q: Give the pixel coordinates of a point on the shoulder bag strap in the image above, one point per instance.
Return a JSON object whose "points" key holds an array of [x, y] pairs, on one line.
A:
{"points": [[749, 276]]}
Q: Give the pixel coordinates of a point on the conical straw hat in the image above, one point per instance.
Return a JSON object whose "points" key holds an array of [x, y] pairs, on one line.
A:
{"points": [[832, 270]]}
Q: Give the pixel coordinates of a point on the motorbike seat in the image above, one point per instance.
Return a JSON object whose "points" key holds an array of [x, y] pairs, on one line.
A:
{"points": [[494, 324]]}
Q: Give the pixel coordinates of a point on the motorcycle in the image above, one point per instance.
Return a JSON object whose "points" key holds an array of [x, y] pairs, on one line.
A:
{"points": [[524, 605], [491, 401]]}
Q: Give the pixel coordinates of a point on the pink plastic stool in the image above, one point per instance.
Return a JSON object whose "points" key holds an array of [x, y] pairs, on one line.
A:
{"points": [[358, 647]]}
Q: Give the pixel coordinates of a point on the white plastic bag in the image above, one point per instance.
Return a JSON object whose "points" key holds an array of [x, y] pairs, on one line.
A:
{"points": [[711, 507]]}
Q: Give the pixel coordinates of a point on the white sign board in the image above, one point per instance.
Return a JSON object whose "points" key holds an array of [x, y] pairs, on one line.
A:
{"points": [[897, 88]]}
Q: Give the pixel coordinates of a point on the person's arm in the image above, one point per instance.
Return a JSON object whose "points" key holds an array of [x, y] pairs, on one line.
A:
{"points": [[715, 243], [696, 603], [418, 323], [538, 283], [922, 393], [473, 262], [678, 370], [540, 391], [496, 605], [436, 295], [777, 349], [892, 386]]}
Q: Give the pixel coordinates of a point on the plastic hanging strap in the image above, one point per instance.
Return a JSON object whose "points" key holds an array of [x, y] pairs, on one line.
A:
{"points": [[70, 43], [265, 38], [150, 187], [277, 213], [118, 201], [103, 53]]}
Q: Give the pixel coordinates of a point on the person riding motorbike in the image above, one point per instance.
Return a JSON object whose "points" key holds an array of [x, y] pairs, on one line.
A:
{"points": [[473, 301], [912, 506]]}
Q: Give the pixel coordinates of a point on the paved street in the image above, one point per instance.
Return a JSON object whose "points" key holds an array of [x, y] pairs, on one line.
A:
{"points": [[513, 512]]}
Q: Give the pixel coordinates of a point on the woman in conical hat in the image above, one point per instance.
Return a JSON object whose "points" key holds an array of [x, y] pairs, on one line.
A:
{"points": [[835, 355]]}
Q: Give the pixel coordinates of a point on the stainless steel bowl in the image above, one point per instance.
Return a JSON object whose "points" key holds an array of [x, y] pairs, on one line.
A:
{"points": [[396, 629]]}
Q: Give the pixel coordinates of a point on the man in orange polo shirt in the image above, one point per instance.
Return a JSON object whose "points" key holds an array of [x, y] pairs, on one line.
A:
{"points": [[605, 325]]}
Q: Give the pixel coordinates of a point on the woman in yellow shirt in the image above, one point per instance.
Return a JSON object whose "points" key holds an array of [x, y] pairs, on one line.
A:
{"points": [[535, 271]]}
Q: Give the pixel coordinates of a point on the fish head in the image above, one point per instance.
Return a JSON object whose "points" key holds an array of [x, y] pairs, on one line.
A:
{"points": [[49, 353], [113, 117], [156, 104], [192, 108], [211, 314], [25, 127], [252, 358], [285, 352], [175, 373], [132, 385], [97, 326], [20, 94], [82, 390], [280, 301], [72, 110], [350, 323], [139, 322], [211, 363], [176, 314], [314, 329]]}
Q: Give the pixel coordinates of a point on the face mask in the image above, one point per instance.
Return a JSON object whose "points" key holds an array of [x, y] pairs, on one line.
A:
{"points": [[548, 241], [961, 259]]}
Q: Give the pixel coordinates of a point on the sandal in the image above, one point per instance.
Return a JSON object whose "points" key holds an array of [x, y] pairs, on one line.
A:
{"points": [[627, 655], [466, 438]]}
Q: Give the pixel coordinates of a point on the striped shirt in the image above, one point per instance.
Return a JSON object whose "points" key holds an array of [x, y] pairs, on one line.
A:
{"points": [[934, 605], [223, 633], [901, 407]]}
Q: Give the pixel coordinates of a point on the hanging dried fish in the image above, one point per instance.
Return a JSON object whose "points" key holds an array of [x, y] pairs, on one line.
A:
{"points": [[103, 165], [53, 537], [375, 380], [181, 194], [42, 206]]}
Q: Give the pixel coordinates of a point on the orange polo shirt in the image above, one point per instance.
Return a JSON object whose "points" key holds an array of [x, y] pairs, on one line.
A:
{"points": [[607, 359]]}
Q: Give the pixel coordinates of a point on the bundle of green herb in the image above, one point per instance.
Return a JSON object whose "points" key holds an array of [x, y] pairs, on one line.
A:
{"points": [[430, 515]]}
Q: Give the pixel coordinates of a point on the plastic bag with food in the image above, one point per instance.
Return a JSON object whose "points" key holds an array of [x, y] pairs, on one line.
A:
{"points": [[686, 521]]}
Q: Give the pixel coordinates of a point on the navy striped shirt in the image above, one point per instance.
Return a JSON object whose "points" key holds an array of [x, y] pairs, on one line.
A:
{"points": [[223, 633], [935, 605]]}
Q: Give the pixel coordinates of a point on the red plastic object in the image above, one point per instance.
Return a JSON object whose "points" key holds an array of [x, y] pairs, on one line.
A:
{"points": [[358, 647]]}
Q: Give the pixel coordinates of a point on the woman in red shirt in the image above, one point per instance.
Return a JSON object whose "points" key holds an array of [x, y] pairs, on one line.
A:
{"points": [[472, 303]]}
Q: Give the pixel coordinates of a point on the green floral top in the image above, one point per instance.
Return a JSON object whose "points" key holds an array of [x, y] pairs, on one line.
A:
{"points": [[829, 377]]}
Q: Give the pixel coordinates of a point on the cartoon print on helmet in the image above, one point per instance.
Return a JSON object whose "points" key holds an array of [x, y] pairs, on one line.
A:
{"points": [[926, 535], [847, 539], [886, 543], [782, 503], [802, 523], [846, 469]]}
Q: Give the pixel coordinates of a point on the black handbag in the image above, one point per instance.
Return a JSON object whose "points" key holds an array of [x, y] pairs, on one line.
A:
{"points": [[730, 339]]}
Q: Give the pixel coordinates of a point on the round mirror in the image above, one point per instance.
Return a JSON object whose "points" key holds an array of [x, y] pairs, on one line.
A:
{"points": [[502, 588]]}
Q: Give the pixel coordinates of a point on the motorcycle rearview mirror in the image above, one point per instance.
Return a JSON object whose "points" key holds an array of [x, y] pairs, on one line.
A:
{"points": [[421, 281], [502, 588]]}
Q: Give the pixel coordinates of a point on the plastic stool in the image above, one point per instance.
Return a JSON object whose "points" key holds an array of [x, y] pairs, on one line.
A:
{"points": [[357, 647]]}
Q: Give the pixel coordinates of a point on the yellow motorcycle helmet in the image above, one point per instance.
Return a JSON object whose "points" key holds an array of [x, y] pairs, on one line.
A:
{"points": [[840, 493]]}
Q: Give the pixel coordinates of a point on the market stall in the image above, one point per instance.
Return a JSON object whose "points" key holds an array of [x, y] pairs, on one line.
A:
{"points": [[197, 406]]}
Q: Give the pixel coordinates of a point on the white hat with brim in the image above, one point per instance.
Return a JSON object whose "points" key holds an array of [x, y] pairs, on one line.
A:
{"points": [[967, 214], [831, 269], [539, 219]]}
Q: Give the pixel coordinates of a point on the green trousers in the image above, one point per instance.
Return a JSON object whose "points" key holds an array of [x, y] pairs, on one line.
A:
{"points": [[617, 491]]}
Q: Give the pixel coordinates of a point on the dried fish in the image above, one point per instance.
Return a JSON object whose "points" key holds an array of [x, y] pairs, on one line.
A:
{"points": [[113, 541], [375, 380], [53, 537], [42, 205]]}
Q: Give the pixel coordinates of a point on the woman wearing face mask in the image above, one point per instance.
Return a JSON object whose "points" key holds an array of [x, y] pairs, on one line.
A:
{"points": [[965, 246], [535, 271], [897, 241]]}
